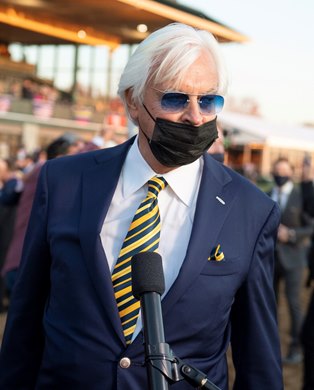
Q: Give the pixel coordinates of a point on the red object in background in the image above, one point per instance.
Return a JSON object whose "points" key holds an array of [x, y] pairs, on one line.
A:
{"points": [[116, 120]]}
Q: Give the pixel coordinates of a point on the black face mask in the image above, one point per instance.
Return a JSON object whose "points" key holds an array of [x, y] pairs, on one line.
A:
{"points": [[175, 144], [281, 180]]}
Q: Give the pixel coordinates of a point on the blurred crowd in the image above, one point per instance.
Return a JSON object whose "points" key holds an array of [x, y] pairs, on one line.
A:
{"points": [[31, 88], [294, 256], [18, 178]]}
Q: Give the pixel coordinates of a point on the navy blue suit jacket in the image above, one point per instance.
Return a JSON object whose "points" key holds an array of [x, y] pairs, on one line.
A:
{"points": [[63, 329]]}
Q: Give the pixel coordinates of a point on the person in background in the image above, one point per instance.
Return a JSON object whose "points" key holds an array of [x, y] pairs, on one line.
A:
{"points": [[73, 322], [105, 138], [10, 192], [24, 161], [307, 339], [11, 182], [3, 172], [249, 171], [66, 144], [71, 144], [294, 233], [217, 150], [28, 89], [307, 333]]}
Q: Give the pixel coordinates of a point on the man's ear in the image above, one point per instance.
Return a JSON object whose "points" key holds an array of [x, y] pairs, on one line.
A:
{"points": [[131, 105]]}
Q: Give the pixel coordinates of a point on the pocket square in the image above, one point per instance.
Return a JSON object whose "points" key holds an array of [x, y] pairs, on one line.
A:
{"points": [[216, 254]]}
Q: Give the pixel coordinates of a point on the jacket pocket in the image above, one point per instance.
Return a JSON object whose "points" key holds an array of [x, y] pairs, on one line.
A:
{"points": [[225, 267]]}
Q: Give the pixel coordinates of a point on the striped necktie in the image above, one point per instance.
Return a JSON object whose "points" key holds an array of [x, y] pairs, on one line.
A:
{"points": [[143, 236]]}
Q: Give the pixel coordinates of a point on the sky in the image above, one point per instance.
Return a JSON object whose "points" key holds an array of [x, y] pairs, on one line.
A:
{"points": [[276, 66]]}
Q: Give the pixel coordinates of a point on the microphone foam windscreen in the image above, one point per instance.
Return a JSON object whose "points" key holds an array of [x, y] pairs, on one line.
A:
{"points": [[147, 274]]}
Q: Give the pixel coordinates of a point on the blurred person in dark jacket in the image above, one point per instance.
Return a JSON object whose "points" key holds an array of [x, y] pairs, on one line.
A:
{"points": [[10, 192], [293, 241], [307, 333], [64, 145]]}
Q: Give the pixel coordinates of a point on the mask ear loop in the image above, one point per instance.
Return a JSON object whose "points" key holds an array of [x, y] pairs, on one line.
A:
{"points": [[146, 109], [146, 136]]}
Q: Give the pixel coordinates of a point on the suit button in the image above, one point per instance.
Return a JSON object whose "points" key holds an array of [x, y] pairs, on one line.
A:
{"points": [[125, 362]]}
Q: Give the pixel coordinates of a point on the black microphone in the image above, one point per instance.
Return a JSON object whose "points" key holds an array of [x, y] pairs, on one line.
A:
{"points": [[148, 285], [147, 274]]}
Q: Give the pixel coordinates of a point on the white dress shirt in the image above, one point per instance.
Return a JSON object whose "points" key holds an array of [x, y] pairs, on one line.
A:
{"points": [[281, 194], [176, 202]]}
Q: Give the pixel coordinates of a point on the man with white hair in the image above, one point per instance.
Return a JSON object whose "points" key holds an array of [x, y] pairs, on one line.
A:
{"points": [[73, 321]]}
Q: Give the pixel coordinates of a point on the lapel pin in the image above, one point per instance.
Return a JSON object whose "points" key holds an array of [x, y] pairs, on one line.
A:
{"points": [[220, 200]]}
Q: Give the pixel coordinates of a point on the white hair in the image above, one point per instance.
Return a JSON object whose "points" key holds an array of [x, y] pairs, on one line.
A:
{"points": [[165, 56]]}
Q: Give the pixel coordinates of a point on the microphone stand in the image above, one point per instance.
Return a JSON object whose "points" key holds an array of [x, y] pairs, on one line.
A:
{"points": [[162, 367], [156, 352], [179, 370]]}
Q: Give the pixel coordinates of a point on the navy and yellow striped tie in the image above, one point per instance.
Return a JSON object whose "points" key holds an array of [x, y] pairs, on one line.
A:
{"points": [[143, 236]]}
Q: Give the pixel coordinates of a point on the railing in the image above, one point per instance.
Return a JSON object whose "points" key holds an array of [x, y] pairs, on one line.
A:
{"points": [[49, 109], [34, 121]]}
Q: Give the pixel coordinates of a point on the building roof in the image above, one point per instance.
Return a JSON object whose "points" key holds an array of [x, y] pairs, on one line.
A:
{"points": [[98, 22], [245, 129]]}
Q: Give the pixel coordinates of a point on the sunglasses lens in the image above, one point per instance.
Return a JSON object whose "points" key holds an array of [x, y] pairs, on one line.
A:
{"points": [[174, 102], [211, 104]]}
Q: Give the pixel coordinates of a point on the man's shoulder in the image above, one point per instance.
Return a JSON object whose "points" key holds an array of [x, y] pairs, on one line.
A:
{"points": [[83, 161]]}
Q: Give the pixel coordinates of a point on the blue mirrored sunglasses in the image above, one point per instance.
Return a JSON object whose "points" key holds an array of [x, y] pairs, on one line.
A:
{"points": [[178, 101]]}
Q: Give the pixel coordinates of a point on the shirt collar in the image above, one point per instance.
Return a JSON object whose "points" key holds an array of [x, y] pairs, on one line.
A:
{"points": [[286, 188], [184, 181]]}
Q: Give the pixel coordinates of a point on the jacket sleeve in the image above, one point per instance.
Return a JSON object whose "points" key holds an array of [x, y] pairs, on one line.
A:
{"points": [[307, 189], [254, 335], [8, 194], [23, 340]]}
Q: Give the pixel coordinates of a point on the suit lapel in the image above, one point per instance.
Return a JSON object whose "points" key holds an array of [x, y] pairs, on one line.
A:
{"points": [[290, 212], [98, 187], [210, 215]]}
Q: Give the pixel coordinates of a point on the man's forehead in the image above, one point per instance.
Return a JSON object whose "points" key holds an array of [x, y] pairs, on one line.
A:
{"points": [[283, 165]]}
